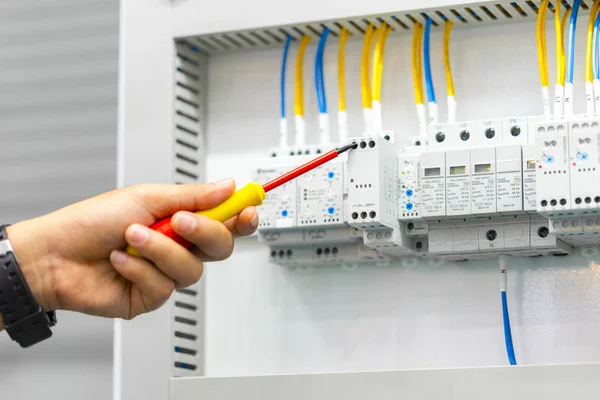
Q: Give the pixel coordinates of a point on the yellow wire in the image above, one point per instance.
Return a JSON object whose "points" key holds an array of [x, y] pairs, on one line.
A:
{"points": [[563, 61], [382, 33], [541, 42], [559, 42], [342, 68], [589, 47], [449, 80], [416, 70], [365, 63], [420, 60], [386, 32], [299, 92]]}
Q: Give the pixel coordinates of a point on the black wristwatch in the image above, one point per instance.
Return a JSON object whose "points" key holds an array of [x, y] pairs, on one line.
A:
{"points": [[24, 320]]}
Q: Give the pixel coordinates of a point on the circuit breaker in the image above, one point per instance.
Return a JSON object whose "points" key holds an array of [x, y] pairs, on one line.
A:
{"points": [[321, 196], [433, 185], [553, 169], [373, 184], [483, 181], [509, 180], [279, 209], [585, 164]]}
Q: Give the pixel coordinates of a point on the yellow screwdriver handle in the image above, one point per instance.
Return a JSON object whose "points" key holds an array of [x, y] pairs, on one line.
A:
{"points": [[252, 194]]}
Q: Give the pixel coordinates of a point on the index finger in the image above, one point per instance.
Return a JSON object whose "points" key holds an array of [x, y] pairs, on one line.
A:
{"points": [[165, 200]]}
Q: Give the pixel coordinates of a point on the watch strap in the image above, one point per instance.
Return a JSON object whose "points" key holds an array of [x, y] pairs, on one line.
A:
{"points": [[24, 320]]}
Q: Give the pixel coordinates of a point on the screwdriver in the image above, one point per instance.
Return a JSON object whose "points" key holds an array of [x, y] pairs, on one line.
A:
{"points": [[253, 194]]}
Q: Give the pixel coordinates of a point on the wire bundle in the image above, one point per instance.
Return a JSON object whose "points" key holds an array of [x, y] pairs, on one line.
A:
{"points": [[299, 93], [595, 56], [342, 115], [320, 89]]}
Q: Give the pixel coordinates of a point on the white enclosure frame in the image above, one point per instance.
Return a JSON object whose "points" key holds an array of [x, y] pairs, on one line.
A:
{"points": [[142, 347]]}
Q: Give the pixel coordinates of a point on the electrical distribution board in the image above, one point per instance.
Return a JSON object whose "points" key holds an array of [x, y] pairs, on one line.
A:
{"points": [[476, 189]]}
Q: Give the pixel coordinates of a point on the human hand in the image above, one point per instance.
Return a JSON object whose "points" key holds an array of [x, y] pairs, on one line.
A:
{"points": [[72, 259]]}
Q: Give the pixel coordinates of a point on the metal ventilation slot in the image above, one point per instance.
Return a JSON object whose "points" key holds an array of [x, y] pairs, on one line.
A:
{"points": [[187, 336], [459, 16], [185, 350], [186, 321], [503, 11], [518, 8], [186, 159], [181, 365], [188, 292], [186, 144], [489, 13], [186, 306], [532, 5], [473, 14]]}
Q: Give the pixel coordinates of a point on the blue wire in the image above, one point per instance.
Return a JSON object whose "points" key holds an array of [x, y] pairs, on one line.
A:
{"points": [[319, 78], [427, 62], [572, 29], [596, 50], [510, 350], [286, 50]]}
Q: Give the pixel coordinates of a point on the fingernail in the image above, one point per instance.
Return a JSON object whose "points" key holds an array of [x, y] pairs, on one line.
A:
{"points": [[184, 222], [139, 234], [254, 220], [118, 257], [225, 182]]}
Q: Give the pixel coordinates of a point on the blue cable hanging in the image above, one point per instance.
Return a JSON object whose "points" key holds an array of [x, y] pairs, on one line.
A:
{"points": [[319, 77], [286, 50], [427, 62], [510, 350], [572, 29]]}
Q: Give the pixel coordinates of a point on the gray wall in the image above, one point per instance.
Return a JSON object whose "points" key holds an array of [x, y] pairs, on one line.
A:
{"points": [[58, 122]]}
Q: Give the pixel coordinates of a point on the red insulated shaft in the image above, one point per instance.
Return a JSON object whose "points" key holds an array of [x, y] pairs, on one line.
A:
{"points": [[312, 164]]}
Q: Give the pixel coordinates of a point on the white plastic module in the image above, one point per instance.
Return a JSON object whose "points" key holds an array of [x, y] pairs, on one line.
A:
{"points": [[433, 185], [483, 181], [584, 139], [553, 167], [509, 179], [458, 182], [529, 166], [279, 207], [373, 184], [326, 254], [321, 196], [410, 190]]}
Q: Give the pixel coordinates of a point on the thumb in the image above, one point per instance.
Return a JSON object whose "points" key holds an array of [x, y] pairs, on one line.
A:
{"points": [[165, 200]]}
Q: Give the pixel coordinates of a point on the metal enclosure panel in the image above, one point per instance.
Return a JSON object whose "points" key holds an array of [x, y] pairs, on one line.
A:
{"points": [[499, 383], [145, 154], [190, 17]]}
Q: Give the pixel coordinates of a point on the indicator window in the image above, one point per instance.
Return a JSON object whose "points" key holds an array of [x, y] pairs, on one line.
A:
{"points": [[433, 172], [460, 170], [483, 168], [530, 164]]}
